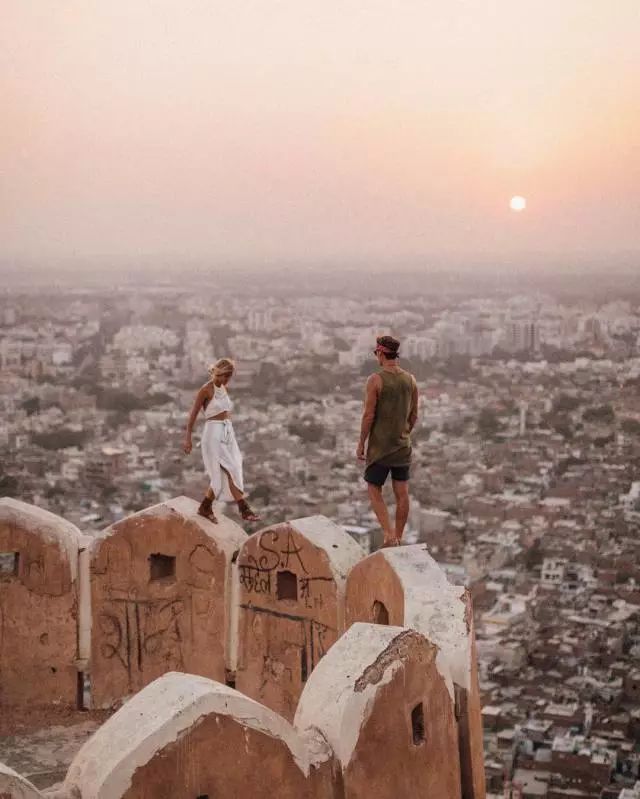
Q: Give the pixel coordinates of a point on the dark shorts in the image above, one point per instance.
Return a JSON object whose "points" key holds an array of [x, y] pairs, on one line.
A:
{"points": [[377, 473]]}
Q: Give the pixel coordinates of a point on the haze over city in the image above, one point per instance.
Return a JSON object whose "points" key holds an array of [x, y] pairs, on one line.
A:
{"points": [[258, 133], [319, 399]]}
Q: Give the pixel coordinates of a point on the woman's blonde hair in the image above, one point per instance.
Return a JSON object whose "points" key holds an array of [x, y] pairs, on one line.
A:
{"points": [[222, 368]]}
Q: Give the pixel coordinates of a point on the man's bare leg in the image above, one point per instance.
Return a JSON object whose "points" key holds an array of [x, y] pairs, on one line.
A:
{"points": [[381, 511], [401, 491]]}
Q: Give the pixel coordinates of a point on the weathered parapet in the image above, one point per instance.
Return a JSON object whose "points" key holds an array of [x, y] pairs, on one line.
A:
{"points": [[185, 736], [38, 606], [375, 719], [13, 786], [405, 586], [168, 590], [160, 595], [381, 703], [291, 589]]}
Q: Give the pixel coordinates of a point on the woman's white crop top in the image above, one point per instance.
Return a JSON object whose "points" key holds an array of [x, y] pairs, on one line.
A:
{"points": [[219, 403]]}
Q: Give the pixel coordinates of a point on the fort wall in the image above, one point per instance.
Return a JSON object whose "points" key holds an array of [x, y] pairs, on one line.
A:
{"points": [[333, 674], [39, 555]]}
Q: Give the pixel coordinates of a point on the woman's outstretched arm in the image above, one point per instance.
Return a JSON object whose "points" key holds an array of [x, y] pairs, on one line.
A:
{"points": [[195, 410]]}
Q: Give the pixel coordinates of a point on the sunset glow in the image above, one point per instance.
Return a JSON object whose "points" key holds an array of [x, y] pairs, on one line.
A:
{"points": [[304, 131]]}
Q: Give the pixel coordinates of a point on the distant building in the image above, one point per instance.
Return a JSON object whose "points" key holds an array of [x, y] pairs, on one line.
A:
{"points": [[553, 572], [522, 336]]}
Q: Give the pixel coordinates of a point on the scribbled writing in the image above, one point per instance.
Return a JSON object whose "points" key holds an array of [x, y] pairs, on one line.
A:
{"points": [[276, 550], [253, 578], [139, 633], [314, 639]]}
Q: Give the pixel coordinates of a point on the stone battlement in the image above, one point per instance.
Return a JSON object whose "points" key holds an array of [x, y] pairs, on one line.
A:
{"points": [[335, 674]]}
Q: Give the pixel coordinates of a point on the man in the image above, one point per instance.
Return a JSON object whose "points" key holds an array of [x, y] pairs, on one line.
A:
{"points": [[390, 414]]}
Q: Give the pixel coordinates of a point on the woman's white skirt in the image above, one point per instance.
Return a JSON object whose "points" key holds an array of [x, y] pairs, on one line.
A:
{"points": [[220, 451]]}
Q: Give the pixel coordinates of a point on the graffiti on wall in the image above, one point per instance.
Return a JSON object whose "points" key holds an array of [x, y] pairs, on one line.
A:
{"points": [[277, 553], [140, 634], [279, 571]]}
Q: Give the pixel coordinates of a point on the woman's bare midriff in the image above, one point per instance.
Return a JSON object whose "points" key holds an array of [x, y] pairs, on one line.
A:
{"points": [[220, 417]]}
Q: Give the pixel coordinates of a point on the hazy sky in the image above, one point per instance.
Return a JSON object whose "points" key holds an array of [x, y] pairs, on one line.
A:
{"points": [[318, 129]]}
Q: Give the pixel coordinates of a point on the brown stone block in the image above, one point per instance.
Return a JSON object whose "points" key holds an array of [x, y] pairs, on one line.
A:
{"points": [[187, 737], [38, 606], [160, 593], [291, 584], [406, 587], [381, 703]]}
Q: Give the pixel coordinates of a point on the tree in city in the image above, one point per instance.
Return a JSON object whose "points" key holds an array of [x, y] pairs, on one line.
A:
{"points": [[31, 405], [565, 403], [602, 414], [8, 485], [630, 426], [488, 423], [307, 430], [60, 439]]}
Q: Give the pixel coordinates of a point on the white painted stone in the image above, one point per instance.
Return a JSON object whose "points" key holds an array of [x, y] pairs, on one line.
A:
{"points": [[233, 616], [15, 786], [85, 618], [156, 717], [226, 534], [329, 701], [343, 552], [435, 608], [53, 529]]}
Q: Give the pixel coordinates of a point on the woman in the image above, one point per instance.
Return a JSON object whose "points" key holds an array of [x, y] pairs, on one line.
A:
{"points": [[220, 451]]}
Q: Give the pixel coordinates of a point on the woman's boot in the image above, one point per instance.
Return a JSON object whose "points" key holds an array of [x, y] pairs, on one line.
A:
{"points": [[246, 512], [206, 510]]}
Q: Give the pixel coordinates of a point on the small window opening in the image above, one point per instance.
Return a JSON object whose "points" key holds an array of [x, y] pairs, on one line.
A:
{"points": [[380, 613], [287, 585], [203, 796], [9, 564], [162, 567], [417, 725], [304, 669], [230, 679]]}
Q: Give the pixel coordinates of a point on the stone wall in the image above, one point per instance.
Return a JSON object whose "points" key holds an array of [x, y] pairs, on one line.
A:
{"points": [[291, 606], [160, 589], [405, 586], [38, 606], [185, 736], [375, 719], [381, 703], [372, 659]]}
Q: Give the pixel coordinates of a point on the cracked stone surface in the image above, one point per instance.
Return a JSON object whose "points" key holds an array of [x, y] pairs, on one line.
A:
{"points": [[43, 754]]}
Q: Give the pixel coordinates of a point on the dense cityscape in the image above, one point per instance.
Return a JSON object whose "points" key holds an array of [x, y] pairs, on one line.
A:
{"points": [[525, 483]]}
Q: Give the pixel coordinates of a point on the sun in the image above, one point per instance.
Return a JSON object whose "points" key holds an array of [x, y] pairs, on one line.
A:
{"points": [[517, 203]]}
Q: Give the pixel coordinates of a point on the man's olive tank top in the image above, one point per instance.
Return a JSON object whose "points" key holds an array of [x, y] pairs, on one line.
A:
{"points": [[389, 439]]}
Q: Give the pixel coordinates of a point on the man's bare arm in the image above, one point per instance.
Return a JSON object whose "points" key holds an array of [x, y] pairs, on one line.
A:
{"points": [[413, 413], [369, 412]]}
